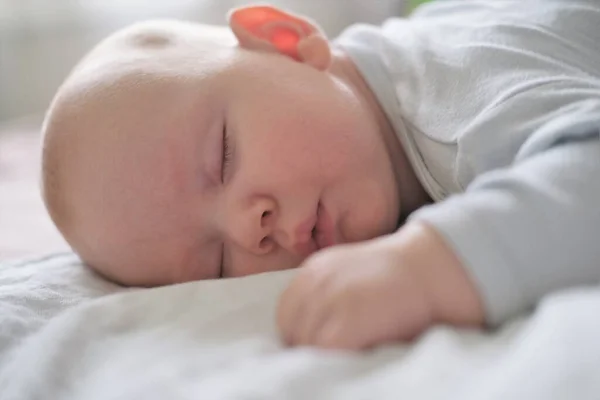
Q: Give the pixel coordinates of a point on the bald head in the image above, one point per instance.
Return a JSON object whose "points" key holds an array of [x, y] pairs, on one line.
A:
{"points": [[107, 143]]}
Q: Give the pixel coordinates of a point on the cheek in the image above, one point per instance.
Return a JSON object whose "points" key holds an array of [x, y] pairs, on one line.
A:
{"points": [[284, 148], [310, 141]]}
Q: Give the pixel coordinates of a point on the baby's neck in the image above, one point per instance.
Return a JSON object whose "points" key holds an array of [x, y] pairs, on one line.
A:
{"points": [[412, 195]]}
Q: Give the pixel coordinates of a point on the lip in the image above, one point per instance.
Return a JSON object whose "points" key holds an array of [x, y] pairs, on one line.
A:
{"points": [[305, 245], [325, 235]]}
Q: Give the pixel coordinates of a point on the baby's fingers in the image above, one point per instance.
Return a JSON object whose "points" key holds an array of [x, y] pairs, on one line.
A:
{"points": [[291, 307], [337, 332], [330, 334], [314, 313], [287, 310]]}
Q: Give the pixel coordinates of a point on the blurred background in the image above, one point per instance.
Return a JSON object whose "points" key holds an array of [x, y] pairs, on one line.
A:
{"points": [[41, 40]]}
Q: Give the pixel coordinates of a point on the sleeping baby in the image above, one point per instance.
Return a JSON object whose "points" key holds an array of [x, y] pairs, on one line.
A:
{"points": [[440, 169]]}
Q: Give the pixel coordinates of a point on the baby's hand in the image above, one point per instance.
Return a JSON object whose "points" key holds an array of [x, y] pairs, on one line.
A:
{"points": [[361, 295], [352, 297]]}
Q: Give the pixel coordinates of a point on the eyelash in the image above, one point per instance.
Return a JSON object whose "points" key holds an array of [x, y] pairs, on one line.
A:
{"points": [[225, 163], [226, 154]]}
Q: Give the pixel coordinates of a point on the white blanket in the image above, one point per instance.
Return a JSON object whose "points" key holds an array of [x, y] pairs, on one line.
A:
{"points": [[218, 340]]}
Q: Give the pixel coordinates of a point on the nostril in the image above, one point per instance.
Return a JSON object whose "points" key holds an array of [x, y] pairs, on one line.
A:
{"points": [[265, 218], [264, 243]]}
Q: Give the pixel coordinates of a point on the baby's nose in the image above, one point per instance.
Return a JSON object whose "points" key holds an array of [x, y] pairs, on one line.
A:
{"points": [[264, 241], [265, 229], [258, 226]]}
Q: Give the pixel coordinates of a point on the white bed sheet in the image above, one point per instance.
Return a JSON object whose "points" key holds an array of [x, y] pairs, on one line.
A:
{"points": [[67, 334]]}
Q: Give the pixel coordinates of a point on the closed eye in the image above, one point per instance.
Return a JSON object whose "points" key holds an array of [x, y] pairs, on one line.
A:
{"points": [[226, 154], [225, 162]]}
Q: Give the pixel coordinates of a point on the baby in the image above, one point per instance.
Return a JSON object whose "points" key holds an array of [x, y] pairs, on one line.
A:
{"points": [[441, 169]]}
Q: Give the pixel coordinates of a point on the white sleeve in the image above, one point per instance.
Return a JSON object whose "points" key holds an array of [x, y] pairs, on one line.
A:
{"points": [[533, 228]]}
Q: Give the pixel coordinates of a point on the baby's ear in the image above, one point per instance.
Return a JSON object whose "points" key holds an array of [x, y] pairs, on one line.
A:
{"points": [[266, 28]]}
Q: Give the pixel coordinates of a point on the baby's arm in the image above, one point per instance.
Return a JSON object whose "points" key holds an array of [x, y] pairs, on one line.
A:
{"points": [[534, 228]]}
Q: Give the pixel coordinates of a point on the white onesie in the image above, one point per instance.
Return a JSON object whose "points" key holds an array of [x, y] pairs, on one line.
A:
{"points": [[497, 104]]}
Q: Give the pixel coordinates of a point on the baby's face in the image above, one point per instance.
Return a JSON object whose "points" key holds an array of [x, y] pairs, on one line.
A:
{"points": [[203, 160]]}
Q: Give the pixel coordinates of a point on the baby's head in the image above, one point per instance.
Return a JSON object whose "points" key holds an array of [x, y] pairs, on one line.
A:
{"points": [[177, 152]]}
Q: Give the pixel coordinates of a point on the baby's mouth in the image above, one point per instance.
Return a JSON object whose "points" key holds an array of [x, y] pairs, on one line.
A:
{"points": [[322, 232], [314, 231]]}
